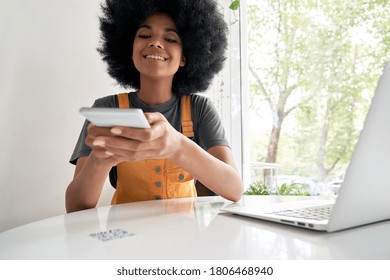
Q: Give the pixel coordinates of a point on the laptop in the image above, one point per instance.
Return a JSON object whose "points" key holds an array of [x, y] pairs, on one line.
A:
{"points": [[364, 196]]}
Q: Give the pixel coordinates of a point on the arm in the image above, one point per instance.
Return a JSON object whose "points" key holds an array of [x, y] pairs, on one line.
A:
{"points": [[87, 184], [214, 168], [90, 174]]}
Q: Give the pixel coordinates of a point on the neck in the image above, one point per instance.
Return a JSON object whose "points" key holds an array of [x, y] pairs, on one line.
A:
{"points": [[155, 92]]}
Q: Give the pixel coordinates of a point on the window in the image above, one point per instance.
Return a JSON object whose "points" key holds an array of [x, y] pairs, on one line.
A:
{"points": [[312, 68]]}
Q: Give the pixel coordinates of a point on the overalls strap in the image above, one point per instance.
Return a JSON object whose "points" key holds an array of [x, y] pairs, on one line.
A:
{"points": [[123, 100], [186, 119]]}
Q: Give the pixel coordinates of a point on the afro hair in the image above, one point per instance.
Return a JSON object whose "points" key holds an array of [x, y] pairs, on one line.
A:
{"points": [[201, 27]]}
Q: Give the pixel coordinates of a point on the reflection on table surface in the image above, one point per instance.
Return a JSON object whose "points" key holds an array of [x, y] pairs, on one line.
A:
{"points": [[184, 229]]}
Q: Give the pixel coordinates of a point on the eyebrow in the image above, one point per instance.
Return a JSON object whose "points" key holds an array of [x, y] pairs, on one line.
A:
{"points": [[166, 29]]}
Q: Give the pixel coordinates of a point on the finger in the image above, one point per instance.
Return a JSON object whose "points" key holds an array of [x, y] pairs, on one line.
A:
{"points": [[96, 141], [122, 145], [130, 133], [142, 134], [102, 153], [131, 156], [95, 131], [125, 149], [154, 118]]}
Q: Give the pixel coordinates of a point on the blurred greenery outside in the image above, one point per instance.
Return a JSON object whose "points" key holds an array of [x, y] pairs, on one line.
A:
{"points": [[260, 188], [313, 69]]}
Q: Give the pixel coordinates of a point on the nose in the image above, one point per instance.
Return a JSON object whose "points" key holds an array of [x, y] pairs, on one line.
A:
{"points": [[156, 43]]}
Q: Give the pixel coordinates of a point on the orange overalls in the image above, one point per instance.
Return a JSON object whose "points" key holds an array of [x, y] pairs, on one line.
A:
{"points": [[152, 179]]}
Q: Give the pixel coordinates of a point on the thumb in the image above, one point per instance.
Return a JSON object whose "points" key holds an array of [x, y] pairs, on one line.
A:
{"points": [[154, 118]]}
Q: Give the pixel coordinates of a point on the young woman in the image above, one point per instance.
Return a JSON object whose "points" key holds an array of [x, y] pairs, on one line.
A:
{"points": [[166, 50]]}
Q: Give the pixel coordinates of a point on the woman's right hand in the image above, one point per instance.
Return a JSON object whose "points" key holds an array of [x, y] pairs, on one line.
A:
{"points": [[96, 139]]}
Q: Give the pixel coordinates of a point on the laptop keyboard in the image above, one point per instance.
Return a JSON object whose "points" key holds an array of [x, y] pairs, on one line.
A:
{"points": [[313, 213]]}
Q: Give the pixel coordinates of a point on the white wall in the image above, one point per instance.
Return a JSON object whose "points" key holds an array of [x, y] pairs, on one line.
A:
{"points": [[49, 68]]}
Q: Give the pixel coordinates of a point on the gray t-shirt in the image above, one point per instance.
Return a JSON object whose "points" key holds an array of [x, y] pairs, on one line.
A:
{"points": [[208, 129]]}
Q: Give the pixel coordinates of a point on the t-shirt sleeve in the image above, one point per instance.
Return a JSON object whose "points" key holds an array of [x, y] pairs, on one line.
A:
{"points": [[81, 149], [209, 130]]}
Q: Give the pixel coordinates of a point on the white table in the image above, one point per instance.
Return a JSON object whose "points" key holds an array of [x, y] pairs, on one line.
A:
{"points": [[185, 229]]}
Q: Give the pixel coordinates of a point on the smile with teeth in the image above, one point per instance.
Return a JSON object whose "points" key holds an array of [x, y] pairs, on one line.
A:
{"points": [[156, 57]]}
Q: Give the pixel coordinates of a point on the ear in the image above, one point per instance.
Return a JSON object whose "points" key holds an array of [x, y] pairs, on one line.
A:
{"points": [[183, 61]]}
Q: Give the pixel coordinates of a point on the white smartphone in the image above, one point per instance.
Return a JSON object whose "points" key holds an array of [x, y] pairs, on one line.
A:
{"points": [[108, 117]]}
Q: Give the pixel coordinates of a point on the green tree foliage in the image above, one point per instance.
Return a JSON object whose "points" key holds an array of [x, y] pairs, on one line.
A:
{"points": [[315, 64], [259, 188]]}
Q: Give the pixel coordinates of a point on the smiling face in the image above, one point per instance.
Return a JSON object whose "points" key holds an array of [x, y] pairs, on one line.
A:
{"points": [[157, 48]]}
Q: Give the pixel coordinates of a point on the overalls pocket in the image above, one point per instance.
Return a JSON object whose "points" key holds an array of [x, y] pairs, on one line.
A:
{"points": [[180, 184]]}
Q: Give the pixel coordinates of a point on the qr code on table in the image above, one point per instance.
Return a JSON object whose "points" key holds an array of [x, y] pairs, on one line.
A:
{"points": [[111, 234]]}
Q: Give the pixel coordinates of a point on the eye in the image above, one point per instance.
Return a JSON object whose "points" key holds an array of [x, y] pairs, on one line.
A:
{"points": [[144, 36], [171, 40]]}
